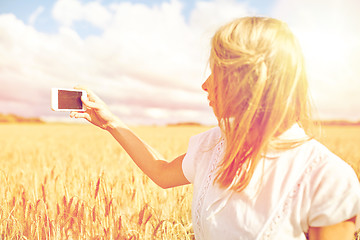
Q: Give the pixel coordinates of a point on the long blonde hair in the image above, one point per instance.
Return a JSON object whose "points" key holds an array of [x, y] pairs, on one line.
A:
{"points": [[261, 89]]}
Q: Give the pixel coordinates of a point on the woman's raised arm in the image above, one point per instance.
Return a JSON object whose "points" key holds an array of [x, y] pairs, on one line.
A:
{"points": [[164, 173]]}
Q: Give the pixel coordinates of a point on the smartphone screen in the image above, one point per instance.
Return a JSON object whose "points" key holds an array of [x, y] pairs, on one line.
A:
{"points": [[69, 99]]}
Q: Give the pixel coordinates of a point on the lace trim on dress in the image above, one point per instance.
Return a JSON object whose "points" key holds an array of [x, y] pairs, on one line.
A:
{"points": [[206, 184], [284, 208]]}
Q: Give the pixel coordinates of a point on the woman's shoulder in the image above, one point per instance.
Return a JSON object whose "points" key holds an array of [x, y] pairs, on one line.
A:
{"points": [[333, 188], [199, 152], [215, 132], [330, 173], [208, 137], [320, 160], [327, 160]]}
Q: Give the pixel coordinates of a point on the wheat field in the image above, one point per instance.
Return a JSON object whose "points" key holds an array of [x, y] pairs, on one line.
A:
{"points": [[62, 181]]}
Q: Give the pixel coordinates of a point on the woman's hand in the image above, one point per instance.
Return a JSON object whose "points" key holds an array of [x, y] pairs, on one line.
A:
{"points": [[96, 112]]}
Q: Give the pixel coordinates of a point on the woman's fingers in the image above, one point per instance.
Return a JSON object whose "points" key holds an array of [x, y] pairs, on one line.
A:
{"points": [[89, 104], [95, 109], [90, 100], [80, 87], [91, 97], [90, 94], [80, 115]]}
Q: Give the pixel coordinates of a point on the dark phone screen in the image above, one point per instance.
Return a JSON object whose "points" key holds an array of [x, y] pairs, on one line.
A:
{"points": [[69, 99]]}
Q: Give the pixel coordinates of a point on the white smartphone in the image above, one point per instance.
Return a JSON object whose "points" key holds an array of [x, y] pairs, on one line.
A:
{"points": [[63, 99]]}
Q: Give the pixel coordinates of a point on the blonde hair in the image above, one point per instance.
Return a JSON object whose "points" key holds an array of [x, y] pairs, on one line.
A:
{"points": [[261, 90]]}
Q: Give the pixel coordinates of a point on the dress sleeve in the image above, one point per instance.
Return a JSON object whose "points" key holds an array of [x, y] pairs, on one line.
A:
{"points": [[199, 146], [335, 193], [188, 164]]}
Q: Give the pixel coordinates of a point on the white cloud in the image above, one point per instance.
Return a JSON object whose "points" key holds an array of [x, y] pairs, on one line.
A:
{"points": [[96, 14], [330, 39], [209, 16], [66, 12]]}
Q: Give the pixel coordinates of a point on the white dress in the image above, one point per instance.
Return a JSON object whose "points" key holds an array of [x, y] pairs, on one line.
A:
{"points": [[302, 187]]}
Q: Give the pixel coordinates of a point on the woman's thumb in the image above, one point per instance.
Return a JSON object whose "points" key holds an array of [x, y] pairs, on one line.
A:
{"points": [[88, 103]]}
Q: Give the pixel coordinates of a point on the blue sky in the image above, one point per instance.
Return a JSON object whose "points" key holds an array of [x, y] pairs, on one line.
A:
{"points": [[148, 59]]}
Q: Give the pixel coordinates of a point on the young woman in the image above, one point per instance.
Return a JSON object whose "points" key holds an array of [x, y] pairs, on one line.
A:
{"points": [[259, 174]]}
